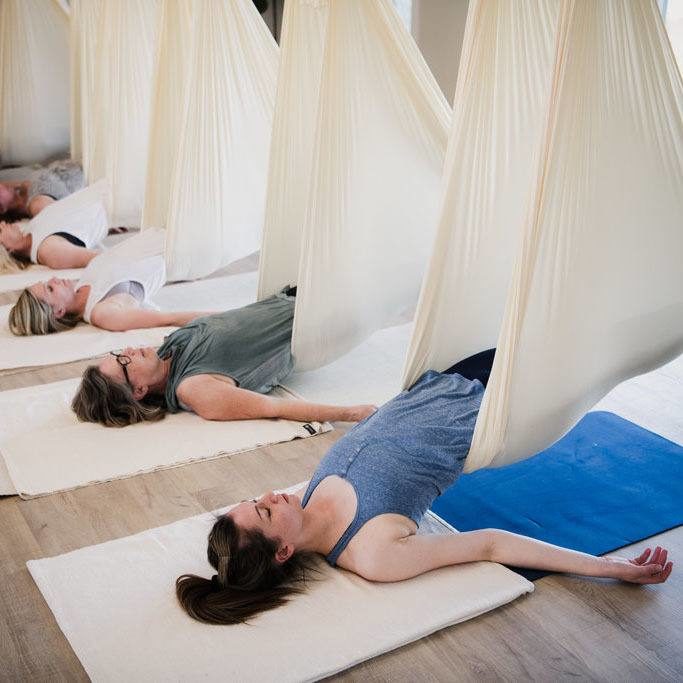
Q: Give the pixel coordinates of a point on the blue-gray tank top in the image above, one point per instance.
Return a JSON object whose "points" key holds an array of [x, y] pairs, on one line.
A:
{"points": [[407, 453], [252, 345]]}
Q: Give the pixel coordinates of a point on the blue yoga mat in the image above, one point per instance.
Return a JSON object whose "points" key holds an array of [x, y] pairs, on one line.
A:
{"points": [[606, 484]]}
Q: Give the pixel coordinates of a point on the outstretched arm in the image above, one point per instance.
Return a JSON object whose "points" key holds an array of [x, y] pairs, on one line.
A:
{"points": [[110, 316], [412, 555], [215, 399]]}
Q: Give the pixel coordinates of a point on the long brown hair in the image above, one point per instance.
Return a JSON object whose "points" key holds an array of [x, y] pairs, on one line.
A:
{"points": [[101, 399], [248, 580]]}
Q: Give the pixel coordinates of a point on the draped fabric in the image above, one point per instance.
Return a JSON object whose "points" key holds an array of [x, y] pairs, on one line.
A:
{"points": [[596, 288], [674, 27], [169, 97], [291, 151], [217, 197], [379, 148], [123, 84], [501, 105], [34, 80], [85, 18]]}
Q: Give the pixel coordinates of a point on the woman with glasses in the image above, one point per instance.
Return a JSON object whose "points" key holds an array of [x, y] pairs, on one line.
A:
{"points": [[220, 367], [114, 293]]}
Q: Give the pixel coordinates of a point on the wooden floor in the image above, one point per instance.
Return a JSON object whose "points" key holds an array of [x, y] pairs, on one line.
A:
{"points": [[569, 628]]}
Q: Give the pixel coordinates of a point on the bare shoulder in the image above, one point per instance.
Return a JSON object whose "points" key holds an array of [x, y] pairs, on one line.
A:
{"points": [[38, 203], [368, 551], [190, 386], [204, 388]]}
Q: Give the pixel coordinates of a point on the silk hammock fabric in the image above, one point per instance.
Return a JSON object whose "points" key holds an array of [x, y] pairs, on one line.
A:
{"points": [[379, 145], [34, 78], [595, 294], [124, 62], [170, 86], [85, 18], [302, 45], [217, 196]]}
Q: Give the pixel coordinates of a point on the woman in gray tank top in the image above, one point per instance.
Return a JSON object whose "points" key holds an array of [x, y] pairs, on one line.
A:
{"points": [[218, 366], [27, 190], [362, 507]]}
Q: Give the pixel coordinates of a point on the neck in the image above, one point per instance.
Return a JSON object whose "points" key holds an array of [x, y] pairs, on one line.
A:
{"points": [[79, 301], [159, 385], [320, 528], [24, 248]]}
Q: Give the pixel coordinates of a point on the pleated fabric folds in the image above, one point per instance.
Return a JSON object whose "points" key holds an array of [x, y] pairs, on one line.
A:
{"points": [[379, 147], [169, 99], [302, 45], [500, 112], [124, 61], [84, 38], [217, 198], [596, 288], [34, 80]]}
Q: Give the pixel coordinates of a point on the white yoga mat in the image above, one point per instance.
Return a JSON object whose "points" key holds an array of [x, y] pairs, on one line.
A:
{"points": [[86, 341], [115, 603], [46, 449]]}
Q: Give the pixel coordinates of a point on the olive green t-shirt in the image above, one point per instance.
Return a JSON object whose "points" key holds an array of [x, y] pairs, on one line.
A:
{"points": [[249, 344]]}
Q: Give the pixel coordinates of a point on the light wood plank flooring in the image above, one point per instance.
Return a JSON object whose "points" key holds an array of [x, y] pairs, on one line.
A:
{"points": [[569, 628]]}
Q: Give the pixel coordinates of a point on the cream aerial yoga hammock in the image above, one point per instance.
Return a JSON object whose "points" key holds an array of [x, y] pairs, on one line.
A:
{"points": [[214, 209], [84, 39], [171, 73], [302, 43], [115, 123], [34, 78], [378, 133], [595, 288]]}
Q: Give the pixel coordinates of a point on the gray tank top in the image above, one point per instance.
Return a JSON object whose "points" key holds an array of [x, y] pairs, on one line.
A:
{"points": [[406, 454], [252, 345], [57, 180], [135, 289]]}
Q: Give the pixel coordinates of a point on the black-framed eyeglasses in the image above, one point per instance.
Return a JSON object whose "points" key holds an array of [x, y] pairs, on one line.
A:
{"points": [[123, 361]]}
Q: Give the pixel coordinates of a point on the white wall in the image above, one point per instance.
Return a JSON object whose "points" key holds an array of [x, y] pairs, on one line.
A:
{"points": [[438, 27]]}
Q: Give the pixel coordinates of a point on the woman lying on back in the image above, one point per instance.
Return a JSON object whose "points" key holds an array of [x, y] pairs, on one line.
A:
{"points": [[219, 366], [363, 505], [63, 234], [113, 293]]}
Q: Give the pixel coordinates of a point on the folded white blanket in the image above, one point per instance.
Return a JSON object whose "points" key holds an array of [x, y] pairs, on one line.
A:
{"points": [[86, 341], [46, 449], [116, 605]]}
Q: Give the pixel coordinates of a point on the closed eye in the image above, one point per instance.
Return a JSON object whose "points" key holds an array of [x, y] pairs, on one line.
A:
{"points": [[49, 288]]}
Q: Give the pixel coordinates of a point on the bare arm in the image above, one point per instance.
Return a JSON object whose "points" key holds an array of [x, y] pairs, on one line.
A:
{"points": [[409, 556], [38, 203], [113, 317], [56, 252], [215, 399]]}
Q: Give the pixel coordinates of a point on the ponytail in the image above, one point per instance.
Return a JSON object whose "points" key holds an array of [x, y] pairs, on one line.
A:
{"points": [[248, 580]]}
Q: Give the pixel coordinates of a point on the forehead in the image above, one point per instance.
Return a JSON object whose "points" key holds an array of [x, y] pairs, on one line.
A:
{"points": [[110, 367], [39, 290], [244, 514]]}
